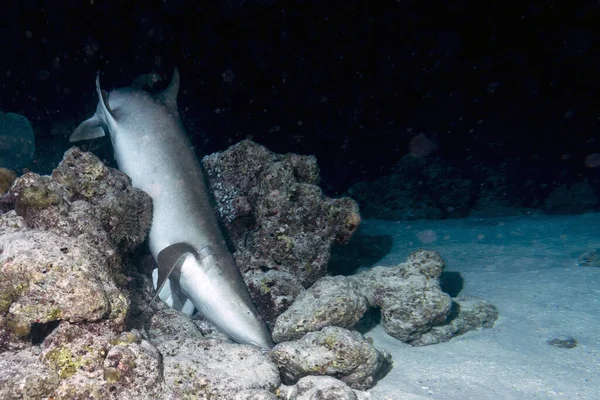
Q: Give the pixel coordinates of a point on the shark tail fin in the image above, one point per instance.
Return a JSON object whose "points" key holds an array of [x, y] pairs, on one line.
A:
{"points": [[169, 95], [170, 260]]}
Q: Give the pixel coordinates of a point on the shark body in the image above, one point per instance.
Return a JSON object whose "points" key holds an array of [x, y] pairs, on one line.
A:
{"points": [[195, 266]]}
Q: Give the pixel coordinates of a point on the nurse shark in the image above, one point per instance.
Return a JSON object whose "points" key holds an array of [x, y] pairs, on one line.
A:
{"points": [[195, 267]]}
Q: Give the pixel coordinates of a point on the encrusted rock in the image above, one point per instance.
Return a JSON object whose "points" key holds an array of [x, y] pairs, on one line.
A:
{"points": [[212, 369], [134, 370], [124, 212], [47, 277], [24, 376], [589, 259], [332, 301], [331, 351], [60, 257], [170, 324], [84, 197], [63, 284], [409, 295], [469, 313], [275, 215], [40, 201], [93, 364], [255, 394], [417, 188], [7, 177], [273, 292], [71, 348], [322, 387]]}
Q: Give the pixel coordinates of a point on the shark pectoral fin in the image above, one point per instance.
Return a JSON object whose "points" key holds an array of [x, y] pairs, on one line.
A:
{"points": [[169, 96], [170, 260], [92, 128], [95, 127]]}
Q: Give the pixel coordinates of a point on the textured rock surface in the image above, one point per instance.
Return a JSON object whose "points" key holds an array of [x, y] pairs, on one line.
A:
{"points": [[409, 295], [416, 188], [93, 363], [332, 351], [413, 306], [59, 258], [212, 369], [255, 394], [590, 259], [169, 324], [469, 313], [24, 376], [83, 196], [277, 218], [47, 278], [575, 198], [332, 301], [322, 387], [63, 285], [124, 212], [273, 292], [7, 177]]}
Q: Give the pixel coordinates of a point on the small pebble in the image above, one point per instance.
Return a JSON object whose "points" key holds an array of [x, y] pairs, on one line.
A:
{"points": [[563, 343]]}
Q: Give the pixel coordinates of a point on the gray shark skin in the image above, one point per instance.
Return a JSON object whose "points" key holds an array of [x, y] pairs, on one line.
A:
{"points": [[152, 148]]}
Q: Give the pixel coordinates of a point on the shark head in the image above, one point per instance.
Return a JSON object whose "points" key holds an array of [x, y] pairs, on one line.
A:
{"points": [[228, 308], [200, 277], [237, 320]]}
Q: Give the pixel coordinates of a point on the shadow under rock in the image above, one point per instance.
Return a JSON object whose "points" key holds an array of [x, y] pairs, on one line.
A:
{"points": [[362, 251], [452, 283]]}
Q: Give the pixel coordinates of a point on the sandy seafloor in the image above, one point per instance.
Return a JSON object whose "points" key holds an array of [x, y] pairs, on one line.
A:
{"points": [[527, 267]]}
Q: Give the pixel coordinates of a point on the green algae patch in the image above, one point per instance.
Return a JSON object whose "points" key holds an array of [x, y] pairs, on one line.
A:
{"points": [[124, 339], [36, 197], [18, 325], [64, 361], [111, 375], [10, 294]]}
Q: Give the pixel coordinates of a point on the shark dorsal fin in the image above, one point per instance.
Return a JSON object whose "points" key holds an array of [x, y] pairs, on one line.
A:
{"points": [[169, 261], [169, 96]]}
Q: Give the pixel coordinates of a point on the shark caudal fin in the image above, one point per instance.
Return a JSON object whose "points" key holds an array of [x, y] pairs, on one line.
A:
{"points": [[169, 96]]}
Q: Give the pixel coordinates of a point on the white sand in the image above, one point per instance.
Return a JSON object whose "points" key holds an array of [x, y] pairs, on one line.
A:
{"points": [[527, 267]]}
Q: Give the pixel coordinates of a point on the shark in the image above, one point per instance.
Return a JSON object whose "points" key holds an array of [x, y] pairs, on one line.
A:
{"points": [[195, 269]]}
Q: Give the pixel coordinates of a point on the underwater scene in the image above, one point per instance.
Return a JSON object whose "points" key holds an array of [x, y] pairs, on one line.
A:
{"points": [[299, 200]]}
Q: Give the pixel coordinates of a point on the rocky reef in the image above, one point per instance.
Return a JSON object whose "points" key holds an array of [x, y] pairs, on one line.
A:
{"points": [[280, 223], [71, 287], [430, 187], [412, 305]]}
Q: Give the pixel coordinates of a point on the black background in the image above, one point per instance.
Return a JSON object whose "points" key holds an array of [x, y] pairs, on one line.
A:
{"points": [[349, 81]]}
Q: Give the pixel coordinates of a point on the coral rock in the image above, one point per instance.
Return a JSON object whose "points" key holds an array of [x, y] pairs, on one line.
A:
{"points": [[332, 301], [409, 295], [332, 351]]}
